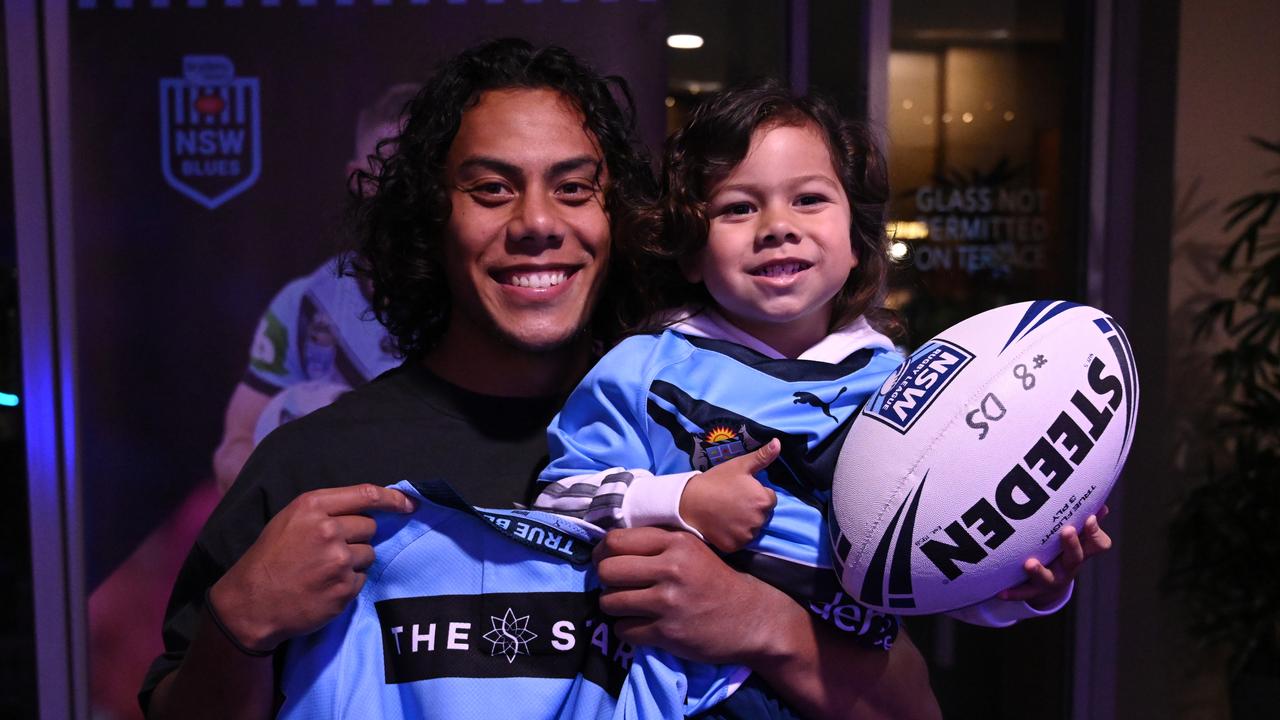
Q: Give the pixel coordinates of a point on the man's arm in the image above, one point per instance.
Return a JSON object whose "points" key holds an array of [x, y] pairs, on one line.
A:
{"points": [[241, 418], [302, 571], [672, 591]]}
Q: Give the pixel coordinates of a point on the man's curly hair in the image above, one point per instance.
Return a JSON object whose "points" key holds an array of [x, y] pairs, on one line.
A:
{"points": [[714, 140], [400, 208]]}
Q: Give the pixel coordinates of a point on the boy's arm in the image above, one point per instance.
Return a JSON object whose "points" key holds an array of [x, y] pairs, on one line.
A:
{"points": [[725, 506], [617, 497], [670, 590], [1048, 588]]}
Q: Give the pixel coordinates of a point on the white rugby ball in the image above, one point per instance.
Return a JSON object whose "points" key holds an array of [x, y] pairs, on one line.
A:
{"points": [[981, 447], [295, 401]]}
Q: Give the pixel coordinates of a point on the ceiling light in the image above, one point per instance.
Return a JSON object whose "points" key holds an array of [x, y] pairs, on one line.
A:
{"points": [[684, 42]]}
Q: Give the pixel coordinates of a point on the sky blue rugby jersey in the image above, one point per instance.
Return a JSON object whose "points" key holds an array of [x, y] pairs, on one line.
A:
{"points": [[476, 613], [675, 402]]}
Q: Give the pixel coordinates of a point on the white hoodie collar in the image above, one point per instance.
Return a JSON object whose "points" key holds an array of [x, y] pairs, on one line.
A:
{"points": [[831, 349]]}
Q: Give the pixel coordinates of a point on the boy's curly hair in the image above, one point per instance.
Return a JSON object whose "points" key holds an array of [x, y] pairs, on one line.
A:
{"points": [[398, 210], [699, 155]]}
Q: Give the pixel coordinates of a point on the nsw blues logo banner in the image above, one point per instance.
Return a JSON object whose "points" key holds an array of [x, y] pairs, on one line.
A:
{"points": [[210, 145]]}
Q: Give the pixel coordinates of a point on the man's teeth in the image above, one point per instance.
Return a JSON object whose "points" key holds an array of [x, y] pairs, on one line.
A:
{"points": [[781, 269], [537, 281]]}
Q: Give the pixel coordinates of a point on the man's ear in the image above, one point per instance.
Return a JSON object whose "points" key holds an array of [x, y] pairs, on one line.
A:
{"points": [[691, 267], [352, 167]]}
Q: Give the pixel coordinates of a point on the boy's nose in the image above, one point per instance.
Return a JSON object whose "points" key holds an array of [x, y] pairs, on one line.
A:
{"points": [[778, 228]]}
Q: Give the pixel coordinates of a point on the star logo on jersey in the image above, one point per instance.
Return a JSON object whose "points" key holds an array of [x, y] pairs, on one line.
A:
{"points": [[510, 636]]}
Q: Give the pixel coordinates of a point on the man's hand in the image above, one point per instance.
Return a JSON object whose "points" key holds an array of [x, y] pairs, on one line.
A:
{"points": [[1046, 586], [670, 590], [727, 504], [305, 567]]}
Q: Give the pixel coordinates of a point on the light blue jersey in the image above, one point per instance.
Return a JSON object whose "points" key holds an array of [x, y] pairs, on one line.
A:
{"points": [[318, 328], [472, 613], [676, 402]]}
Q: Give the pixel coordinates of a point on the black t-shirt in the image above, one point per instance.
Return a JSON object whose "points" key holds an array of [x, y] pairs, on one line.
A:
{"points": [[406, 424]]}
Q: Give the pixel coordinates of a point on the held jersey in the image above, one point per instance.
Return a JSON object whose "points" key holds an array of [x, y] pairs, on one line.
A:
{"points": [[318, 328], [477, 613]]}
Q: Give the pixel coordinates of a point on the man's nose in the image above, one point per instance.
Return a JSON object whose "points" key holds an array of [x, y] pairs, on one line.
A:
{"points": [[536, 222]]}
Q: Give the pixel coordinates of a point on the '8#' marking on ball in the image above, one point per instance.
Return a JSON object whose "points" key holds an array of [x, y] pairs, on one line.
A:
{"points": [[987, 441]]}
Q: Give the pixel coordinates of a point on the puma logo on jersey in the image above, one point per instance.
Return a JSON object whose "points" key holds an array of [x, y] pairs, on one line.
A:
{"points": [[808, 398]]}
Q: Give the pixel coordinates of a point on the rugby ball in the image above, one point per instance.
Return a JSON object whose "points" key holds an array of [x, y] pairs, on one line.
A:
{"points": [[295, 401], [977, 451]]}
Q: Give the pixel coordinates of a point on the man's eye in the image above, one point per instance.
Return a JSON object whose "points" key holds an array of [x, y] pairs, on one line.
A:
{"points": [[490, 188], [575, 190]]}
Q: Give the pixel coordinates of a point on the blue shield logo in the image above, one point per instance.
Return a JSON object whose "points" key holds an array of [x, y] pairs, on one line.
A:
{"points": [[910, 391], [210, 146]]}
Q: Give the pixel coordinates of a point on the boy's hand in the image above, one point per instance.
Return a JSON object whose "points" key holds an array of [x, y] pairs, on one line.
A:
{"points": [[726, 503], [1046, 585]]}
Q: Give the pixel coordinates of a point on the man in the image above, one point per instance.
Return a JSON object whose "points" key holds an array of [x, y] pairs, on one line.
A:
{"points": [[318, 328], [487, 241]]}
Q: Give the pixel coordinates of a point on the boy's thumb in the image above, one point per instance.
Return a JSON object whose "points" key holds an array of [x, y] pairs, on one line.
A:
{"points": [[763, 456]]}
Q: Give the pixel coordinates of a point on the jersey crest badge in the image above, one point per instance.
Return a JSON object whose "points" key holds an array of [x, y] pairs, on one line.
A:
{"points": [[210, 144], [722, 442]]}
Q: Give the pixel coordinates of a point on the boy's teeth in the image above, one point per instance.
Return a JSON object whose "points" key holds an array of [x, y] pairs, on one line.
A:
{"points": [[781, 269], [538, 280]]}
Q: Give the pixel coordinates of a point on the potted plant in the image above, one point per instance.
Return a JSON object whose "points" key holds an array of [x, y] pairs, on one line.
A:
{"points": [[1225, 548]]}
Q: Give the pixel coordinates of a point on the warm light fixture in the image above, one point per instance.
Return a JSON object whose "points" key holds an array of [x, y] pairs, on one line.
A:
{"points": [[684, 42], [904, 230], [898, 250]]}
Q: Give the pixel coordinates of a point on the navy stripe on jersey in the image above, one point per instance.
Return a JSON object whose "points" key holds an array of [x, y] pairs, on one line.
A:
{"points": [[704, 414], [785, 369], [518, 525]]}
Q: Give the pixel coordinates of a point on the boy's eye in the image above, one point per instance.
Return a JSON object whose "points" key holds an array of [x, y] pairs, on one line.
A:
{"points": [[810, 200], [740, 208]]}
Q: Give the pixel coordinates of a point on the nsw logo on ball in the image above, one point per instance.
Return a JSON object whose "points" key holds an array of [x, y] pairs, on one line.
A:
{"points": [[910, 391]]}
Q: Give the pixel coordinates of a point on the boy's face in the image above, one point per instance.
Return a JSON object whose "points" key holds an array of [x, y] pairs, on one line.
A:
{"points": [[527, 241], [778, 246]]}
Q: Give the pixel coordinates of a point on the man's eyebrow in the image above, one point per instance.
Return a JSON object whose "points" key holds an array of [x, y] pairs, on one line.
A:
{"points": [[485, 162], [575, 163], [502, 167]]}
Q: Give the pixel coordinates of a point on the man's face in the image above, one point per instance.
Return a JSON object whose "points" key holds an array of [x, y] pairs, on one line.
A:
{"points": [[527, 242]]}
